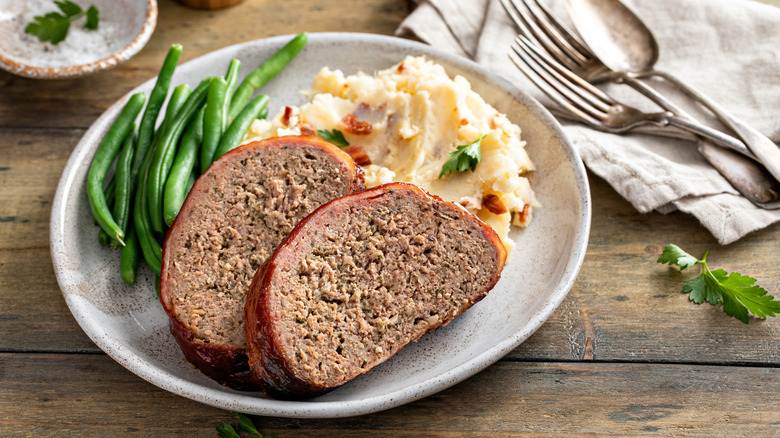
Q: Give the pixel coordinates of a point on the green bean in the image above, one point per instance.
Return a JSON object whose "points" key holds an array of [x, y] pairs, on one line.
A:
{"points": [[183, 166], [166, 151], [109, 190], [231, 77], [150, 247], [128, 257], [190, 181], [156, 100], [124, 185], [103, 238], [265, 73], [213, 121], [240, 124], [179, 97], [102, 162]]}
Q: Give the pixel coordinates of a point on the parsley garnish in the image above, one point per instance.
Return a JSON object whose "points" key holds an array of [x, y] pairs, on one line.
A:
{"points": [[737, 292], [225, 430], [334, 136], [465, 156], [54, 26]]}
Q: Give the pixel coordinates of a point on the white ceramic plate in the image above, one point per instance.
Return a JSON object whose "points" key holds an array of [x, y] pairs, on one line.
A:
{"points": [[129, 324]]}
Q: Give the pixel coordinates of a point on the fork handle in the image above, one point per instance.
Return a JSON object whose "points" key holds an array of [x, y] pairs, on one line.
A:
{"points": [[711, 134], [762, 147], [680, 118]]}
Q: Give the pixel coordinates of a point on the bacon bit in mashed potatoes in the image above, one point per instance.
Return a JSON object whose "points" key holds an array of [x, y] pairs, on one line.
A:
{"points": [[407, 119]]}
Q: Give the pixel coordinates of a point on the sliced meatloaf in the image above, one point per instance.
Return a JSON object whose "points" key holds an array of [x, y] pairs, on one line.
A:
{"points": [[360, 278], [236, 214]]}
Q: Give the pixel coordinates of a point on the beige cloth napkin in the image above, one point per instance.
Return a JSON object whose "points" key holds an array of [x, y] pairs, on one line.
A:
{"points": [[728, 49]]}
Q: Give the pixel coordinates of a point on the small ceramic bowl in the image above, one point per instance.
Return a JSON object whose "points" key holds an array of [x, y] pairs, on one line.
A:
{"points": [[124, 27]]}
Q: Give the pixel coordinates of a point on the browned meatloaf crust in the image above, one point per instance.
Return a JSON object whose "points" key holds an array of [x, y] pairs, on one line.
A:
{"points": [[360, 278], [236, 214]]}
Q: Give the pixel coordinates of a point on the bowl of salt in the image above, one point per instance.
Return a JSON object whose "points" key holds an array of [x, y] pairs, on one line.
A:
{"points": [[45, 39]]}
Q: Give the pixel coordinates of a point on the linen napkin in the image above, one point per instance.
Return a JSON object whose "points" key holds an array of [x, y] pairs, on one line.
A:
{"points": [[727, 49]]}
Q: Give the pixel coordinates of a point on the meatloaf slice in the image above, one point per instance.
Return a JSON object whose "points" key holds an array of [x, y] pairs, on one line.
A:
{"points": [[236, 214], [360, 278]]}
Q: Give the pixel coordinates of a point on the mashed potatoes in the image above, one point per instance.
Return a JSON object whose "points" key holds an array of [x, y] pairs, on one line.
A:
{"points": [[408, 118]]}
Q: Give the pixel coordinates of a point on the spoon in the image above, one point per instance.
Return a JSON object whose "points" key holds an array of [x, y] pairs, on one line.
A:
{"points": [[625, 44]]}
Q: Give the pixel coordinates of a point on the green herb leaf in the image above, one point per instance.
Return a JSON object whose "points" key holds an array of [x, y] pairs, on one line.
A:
{"points": [[68, 8], [333, 136], [92, 18], [738, 293], [245, 424], [54, 26], [226, 431], [703, 288], [673, 255], [464, 157], [50, 27]]}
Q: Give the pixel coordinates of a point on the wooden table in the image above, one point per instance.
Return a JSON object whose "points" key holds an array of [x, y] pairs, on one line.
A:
{"points": [[625, 354]]}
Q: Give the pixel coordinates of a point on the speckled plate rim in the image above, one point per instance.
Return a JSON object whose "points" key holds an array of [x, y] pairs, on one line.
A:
{"points": [[326, 409], [72, 71]]}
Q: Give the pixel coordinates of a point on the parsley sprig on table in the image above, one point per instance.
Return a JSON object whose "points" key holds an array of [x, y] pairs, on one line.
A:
{"points": [[333, 136], [54, 25], [464, 157], [738, 293], [225, 430]]}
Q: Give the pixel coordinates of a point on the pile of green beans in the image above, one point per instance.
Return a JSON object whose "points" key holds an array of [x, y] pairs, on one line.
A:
{"points": [[156, 168]]}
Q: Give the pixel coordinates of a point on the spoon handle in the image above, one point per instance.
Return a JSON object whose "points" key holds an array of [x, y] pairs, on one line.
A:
{"points": [[760, 145], [686, 122], [746, 175], [711, 134]]}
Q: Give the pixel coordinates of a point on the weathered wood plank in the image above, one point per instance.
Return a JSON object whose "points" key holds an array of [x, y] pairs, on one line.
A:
{"points": [[33, 314], [90, 395], [633, 309], [31, 162], [78, 102]]}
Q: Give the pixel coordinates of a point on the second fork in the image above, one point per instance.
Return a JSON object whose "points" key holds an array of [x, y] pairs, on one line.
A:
{"points": [[601, 111]]}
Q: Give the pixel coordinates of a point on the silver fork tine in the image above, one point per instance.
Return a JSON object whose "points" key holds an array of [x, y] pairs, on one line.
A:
{"points": [[531, 30], [519, 21], [589, 91], [553, 85], [535, 25], [568, 40]]}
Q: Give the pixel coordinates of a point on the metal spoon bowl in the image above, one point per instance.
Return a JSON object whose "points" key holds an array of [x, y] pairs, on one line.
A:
{"points": [[624, 43]]}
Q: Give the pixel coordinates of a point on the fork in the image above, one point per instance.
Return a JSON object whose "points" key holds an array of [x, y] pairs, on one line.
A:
{"points": [[539, 25], [599, 110], [594, 106], [535, 20]]}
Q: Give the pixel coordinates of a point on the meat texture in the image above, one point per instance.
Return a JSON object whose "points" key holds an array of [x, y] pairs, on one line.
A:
{"points": [[360, 278], [236, 214]]}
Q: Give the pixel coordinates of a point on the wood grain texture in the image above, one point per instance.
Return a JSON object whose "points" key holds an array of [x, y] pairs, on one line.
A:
{"points": [[87, 395], [633, 309], [76, 103], [626, 354]]}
